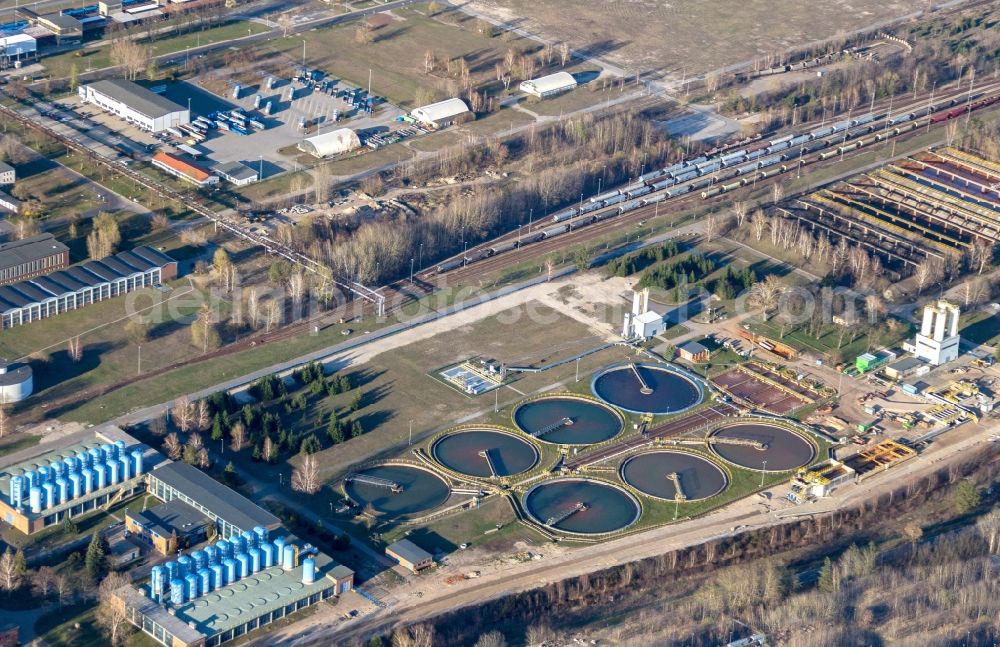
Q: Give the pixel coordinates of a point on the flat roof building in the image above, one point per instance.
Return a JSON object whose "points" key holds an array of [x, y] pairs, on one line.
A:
{"points": [[236, 173], [692, 351], [76, 287], [408, 555], [67, 29], [22, 259], [135, 104], [333, 142], [184, 170], [169, 526], [547, 86], [232, 513], [443, 113], [89, 471], [231, 588], [17, 46], [7, 174]]}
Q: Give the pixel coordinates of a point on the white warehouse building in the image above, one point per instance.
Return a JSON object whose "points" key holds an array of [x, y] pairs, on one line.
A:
{"points": [[333, 142], [443, 113], [547, 86], [17, 46], [135, 104]]}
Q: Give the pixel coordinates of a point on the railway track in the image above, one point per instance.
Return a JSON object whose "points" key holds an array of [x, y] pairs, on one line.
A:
{"points": [[529, 242]]}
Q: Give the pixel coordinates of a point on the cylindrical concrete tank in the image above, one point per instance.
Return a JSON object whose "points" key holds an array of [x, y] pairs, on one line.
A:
{"points": [[183, 565], [191, 584], [137, 465], [177, 591], [288, 557], [267, 555], [204, 581], [218, 576], [101, 472], [35, 499], [308, 570], [62, 487], [49, 490], [75, 485], [254, 554], [230, 565], [244, 563]]}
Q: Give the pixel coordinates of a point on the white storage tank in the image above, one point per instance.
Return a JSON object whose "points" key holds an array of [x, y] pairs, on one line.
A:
{"points": [[16, 382]]}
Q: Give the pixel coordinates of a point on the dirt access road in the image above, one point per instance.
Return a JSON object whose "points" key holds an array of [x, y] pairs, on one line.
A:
{"points": [[751, 513]]}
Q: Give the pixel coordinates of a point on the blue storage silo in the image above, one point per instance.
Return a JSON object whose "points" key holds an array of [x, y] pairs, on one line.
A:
{"points": [[267, 555], [62, 489], [173, 570], [156, 580], [262, 534], [70, 465], [218, 576], [95, 456], [44, 474], [75, 485], [30, 479], [125, 464], [236, 543], [49, 498], [56, 468], [88, 480], [204, 581], [254, 554], [183, 565], [308, 570], [114, 473], [107, 452], [119, 448], [137, 465], [225, 549], [198, 557], [82, 459], [101, 471], [177, 591], [191, 584], [249, 539], [244, 563], [35, 499], [16, 490], [211, 554], [279, 545], [288, 557], [230, 566]]}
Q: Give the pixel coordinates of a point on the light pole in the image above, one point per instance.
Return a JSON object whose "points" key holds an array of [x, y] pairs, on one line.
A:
{"points": [[138, 362], [762, 468], [410, 441], [577, 369], [496, 402], [260, 170], [411, 269]]}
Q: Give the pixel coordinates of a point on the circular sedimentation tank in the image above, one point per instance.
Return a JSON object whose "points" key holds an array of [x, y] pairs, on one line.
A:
{"points": [[658, 473], [581, 507], [657, 388], [418, 489], [781, 448], [484, 453], [568, 420]]}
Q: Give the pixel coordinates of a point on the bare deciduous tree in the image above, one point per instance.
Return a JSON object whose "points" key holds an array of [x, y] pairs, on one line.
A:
{"points": [[172, 445], [928, 271], [740, 211], [112, 613], [564, 53], [305, 477], [10, 578], [238, 435], [182, 413], [75, 349], [129, 55]]}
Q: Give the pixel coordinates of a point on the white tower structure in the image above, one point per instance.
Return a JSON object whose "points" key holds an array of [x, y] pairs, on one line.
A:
{"points": [[937, 341]]}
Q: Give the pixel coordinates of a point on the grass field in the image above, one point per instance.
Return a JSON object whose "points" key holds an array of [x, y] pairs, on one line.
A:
{"points": [[688, 37], [980, 327], [396, 58], [826, 342], [98, 57]]}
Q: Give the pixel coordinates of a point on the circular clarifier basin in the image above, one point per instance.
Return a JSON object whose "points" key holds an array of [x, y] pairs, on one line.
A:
{"points": [[485, 453], [581, 507], [568, 420], [659, 473], [757, 442], [646, 388], [396, 490]]}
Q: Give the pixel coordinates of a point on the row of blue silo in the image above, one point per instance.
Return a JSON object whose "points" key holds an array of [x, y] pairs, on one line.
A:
{"points": [[219, 564], [71, 477]]}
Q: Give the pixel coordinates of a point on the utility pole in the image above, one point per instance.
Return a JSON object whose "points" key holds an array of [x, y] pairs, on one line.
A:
{"points": [[410, 441]]}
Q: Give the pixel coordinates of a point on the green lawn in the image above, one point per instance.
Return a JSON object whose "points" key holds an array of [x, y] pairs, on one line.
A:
{"points": [[980, 327], [18, 442], [99, 57], [826, 342]]}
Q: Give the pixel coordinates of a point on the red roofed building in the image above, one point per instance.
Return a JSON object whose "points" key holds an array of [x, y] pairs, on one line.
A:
{"points": [[185, 170]]}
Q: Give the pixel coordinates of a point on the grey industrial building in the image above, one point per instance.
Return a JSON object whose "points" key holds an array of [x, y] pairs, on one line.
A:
{"points": [[81, 285], [21, 259], [236, 173], [135, 104]]}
